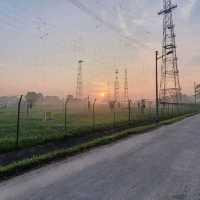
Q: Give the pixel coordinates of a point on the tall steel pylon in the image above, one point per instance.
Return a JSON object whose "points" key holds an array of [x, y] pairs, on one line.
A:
{"points": [[125, 86], [79, 84], [108, 92], [116, 87], [170, 89]]}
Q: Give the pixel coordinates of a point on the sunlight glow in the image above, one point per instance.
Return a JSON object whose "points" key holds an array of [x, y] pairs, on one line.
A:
{"points": [[102, 94]]}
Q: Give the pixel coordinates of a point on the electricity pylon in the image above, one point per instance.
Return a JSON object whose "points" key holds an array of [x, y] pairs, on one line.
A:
{"points": [[79, 86], [170, 89]]}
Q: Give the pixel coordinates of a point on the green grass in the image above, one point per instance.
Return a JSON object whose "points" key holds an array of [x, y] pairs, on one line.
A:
{"points": [[35, 130], [36, 161]]}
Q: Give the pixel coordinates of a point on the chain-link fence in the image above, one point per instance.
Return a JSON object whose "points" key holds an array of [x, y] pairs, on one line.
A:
{"points": [[22, 125]]}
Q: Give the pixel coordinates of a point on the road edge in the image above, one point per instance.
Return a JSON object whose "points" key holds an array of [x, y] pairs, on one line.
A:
{"points": [[26, 165]]}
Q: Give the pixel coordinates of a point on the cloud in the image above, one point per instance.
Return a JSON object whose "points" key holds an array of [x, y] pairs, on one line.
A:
{"points": [[195, 15], [187, 8], [195, 60], [122, 22]]}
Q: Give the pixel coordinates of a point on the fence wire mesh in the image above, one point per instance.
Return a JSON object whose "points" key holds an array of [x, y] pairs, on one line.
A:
{"points": [[41, 123]]}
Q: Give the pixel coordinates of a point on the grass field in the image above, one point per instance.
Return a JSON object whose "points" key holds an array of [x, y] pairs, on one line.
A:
{"points": [[34, 129]]}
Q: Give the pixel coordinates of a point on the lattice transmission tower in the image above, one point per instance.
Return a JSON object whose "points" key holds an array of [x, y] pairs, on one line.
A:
{"points": [[116, 87], [170, 89], [126, 86], [79, 84], [108, 92]]}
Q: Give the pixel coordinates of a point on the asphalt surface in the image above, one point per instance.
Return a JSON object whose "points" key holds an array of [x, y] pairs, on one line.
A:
{"points": [[163, 164]]}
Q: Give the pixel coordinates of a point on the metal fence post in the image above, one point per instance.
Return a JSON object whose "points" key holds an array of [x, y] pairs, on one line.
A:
{"points": [[66, 103], [93, 114], [129, 111], [133, 112], [18, 121], [114, 114], [171, 110], [168, 110]]}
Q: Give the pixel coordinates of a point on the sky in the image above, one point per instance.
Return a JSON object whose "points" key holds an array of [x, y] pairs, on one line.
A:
{"points": [[42, 41]]}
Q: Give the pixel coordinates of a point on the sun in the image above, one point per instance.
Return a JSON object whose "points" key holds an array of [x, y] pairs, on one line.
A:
{"points": [[102, 94]]}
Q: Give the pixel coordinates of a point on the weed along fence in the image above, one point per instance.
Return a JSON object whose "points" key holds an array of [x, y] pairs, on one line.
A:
{"points": [[25, 125]]}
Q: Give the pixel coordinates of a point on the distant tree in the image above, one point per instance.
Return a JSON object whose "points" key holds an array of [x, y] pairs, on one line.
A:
{"points": [[32, 98]]}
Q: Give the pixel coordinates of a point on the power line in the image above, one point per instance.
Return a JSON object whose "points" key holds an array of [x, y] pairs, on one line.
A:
{"points": [[17, 23], [109, 25]]}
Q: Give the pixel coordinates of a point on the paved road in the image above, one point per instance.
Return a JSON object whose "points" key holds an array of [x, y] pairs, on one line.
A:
{"points": [[161, 165]]}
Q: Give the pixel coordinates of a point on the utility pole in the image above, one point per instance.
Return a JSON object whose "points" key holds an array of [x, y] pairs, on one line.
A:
{"points": [[156, 75], [170, 89], [157, 99]]}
